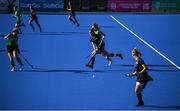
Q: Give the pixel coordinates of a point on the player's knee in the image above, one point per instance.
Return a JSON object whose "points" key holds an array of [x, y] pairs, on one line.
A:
{"points": [[137, 91], [15, 54], [137, 88]]}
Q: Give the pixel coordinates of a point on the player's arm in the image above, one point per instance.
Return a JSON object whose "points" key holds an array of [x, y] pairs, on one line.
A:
{"points": [[102, 38], [131, 74], [144, 69]]}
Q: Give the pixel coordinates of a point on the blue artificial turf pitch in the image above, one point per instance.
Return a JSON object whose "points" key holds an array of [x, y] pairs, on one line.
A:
{"points": [[60, 79]]}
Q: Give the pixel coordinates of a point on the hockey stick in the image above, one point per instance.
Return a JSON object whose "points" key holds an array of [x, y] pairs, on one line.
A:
{"points": [[27, 61]]}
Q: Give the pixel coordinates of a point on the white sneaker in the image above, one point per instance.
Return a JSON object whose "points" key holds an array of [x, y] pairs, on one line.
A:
{"points": [[21, 68], [13, 69], [110, 63]]}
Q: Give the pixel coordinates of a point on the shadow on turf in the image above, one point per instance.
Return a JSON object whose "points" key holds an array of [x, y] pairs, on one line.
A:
{"points": [[165, 107], [3, 50], [58, 70], [150, 65], [164, 70], [74, 70], [90, 71], [156, 68]]}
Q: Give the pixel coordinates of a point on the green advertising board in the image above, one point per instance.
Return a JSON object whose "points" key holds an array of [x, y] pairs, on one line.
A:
{"points": [[166, 5]]}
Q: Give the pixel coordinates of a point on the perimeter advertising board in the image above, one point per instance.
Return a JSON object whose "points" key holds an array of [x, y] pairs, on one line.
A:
{"points": [[130, 5], [166, 5], [43, 5]]}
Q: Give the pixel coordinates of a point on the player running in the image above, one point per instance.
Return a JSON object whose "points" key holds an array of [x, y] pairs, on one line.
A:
{"points": [[142, 76], [33, 17], [72, 15], [17, 15], [98, 44]]}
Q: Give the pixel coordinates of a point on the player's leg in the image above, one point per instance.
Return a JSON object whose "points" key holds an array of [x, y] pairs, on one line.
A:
{"points": [[138, 90], [10, 55], [92, 60], [119, 55], [71, 18], [20, 22], [37, 22], [30, 23], [74, 17], [15, 55], [107, 56]]}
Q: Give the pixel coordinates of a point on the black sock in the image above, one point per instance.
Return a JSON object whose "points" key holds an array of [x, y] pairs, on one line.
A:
{"points": [[39, 27], [77, 22], [93, 60], [109, 59], [19, 61], [32, 26], [139, 96], [12, 63], [90, 60]]}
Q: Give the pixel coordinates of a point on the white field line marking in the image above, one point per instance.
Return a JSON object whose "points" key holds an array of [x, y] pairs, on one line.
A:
{"points": [[146, 43]]}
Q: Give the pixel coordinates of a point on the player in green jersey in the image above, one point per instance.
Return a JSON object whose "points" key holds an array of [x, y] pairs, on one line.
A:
{"points": [[12, 48]]}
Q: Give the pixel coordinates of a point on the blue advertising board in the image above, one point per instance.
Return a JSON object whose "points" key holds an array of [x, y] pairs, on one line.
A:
{"points": [[43, 5]]}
